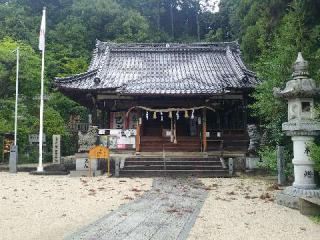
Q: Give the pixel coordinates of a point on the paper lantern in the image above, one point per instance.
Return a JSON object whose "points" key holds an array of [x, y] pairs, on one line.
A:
{"points": [[186, 115], [192, 114]]}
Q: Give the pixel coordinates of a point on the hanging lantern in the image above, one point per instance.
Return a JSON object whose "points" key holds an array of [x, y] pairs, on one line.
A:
{"points": [[154, 115], [186, 115], [177, 115], [192, 114], [147, 115], [161, 116], [170, 114], [199, 120]]}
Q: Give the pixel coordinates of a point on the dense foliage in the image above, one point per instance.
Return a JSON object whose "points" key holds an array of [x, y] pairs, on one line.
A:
{"points": [[270, 32]]}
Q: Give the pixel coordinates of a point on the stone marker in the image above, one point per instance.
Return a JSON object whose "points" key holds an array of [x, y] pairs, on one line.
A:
{"points": [[230, 163], [56, 149], [13, 159], [281, 165]]}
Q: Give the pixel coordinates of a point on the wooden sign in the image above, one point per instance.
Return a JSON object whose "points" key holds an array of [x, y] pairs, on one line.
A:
{"points": [[99, 152]]}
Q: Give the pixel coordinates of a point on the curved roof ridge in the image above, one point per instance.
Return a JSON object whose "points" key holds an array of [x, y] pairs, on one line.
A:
{"points": [[170, 46], [75, 77]]}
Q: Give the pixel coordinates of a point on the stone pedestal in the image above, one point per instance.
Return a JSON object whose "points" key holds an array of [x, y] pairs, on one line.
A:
{"points": [[82, 166]]}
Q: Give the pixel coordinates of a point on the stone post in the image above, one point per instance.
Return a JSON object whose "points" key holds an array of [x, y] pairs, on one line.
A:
{"points": [[280, 165], [13, 159], [56, 149], [302, 128]]}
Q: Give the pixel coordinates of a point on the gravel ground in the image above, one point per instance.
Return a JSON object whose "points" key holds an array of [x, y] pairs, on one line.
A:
{"points": [[53, 207], [50, 207], [245, 209]]}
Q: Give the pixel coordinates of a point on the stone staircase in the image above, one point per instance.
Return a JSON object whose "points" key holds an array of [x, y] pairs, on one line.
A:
{"points": [[200, 166]]}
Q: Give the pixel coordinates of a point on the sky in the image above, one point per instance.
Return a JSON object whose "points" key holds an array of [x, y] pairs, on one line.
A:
{"points": [[210, 5]]}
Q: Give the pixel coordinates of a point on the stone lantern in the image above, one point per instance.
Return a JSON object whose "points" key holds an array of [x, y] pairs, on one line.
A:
{"points": [[302, 128]]}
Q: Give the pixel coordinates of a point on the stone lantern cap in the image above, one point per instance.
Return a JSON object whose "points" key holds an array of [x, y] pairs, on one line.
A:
{"points": [[301, 84]]}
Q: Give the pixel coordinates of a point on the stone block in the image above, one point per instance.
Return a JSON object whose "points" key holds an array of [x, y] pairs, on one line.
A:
{"points": [[85, 173], [252, 162], [82, 162], [309, 206]]}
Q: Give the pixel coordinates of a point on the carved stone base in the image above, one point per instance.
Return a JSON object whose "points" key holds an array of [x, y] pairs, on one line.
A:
{"points": [[289, 197]]}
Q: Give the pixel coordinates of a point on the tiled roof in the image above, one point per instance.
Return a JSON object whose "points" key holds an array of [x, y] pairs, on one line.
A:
{"points": [[163, 69]]}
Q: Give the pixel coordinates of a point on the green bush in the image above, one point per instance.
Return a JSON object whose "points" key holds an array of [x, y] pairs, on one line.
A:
{"points": [[315, 155], [268, 157]]}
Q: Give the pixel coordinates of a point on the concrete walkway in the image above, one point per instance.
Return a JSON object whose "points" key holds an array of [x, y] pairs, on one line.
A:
{"points": [[167, 211]]}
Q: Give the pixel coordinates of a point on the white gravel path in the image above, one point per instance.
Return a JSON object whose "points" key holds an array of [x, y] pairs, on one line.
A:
{"points": [[238, 209], [51, 207]]}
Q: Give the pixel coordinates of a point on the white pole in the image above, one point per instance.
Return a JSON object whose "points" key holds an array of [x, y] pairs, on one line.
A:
{"points": [[40, 166], [16, 104]]}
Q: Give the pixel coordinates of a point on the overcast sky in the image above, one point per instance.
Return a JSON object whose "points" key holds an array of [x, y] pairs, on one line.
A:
{"points": [[210, 5]]}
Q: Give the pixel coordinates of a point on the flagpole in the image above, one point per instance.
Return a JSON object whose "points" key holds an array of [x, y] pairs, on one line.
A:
{"points": [[16, 104], [40, 166]]}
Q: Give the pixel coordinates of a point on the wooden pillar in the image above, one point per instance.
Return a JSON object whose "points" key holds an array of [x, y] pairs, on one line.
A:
{"points": [[103, 119], [94, 112], [245, 111], [94, 116], [204, 129], [108, 119], [138, 135]]}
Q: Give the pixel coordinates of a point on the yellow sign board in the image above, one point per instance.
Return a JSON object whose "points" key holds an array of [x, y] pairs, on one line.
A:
{"points": [[99, 152]]}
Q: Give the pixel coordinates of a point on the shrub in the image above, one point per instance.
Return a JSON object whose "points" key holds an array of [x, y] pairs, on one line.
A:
{"points": [[268, 157], [315, 155]]}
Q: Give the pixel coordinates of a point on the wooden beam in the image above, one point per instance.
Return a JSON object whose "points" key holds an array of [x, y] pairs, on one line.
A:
{"points": [[113, 97], [204, 129], [138, 137], [226, 97]]}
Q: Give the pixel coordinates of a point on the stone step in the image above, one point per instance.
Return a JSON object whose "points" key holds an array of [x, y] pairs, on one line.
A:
{"points": [[172, 167], [150, 162]]}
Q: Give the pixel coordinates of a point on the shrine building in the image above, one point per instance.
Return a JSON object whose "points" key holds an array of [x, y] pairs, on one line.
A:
{"points": [[147, 97]]}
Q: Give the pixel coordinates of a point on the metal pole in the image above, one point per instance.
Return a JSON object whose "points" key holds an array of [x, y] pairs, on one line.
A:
{"points": [[16, 104], [14, 149], [40, 166]]}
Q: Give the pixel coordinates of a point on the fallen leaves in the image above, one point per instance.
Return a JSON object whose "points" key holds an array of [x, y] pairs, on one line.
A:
{"points": [[128, 198], [273, 187], [136, 190]]}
